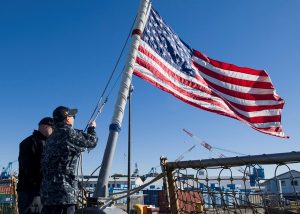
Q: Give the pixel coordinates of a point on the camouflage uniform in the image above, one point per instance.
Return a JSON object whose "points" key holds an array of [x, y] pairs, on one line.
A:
{"points": [[59, 162]]}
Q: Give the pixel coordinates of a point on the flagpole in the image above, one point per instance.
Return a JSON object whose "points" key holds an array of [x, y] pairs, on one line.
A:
{"points": [[115, 126]]}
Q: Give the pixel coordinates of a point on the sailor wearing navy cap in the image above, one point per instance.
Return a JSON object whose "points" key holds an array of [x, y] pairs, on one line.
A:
{"points": [[59, 188], [30, 176]]}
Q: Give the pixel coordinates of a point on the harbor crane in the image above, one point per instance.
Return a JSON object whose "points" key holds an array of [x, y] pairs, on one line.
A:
{"points": [[257, 172], [6, 171]]}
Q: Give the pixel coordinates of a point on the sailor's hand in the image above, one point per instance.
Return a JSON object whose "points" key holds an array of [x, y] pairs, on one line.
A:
{"points": [[92, 124]]}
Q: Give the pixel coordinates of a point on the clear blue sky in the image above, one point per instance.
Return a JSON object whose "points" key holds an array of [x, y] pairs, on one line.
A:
{"points": [[62, 53]]}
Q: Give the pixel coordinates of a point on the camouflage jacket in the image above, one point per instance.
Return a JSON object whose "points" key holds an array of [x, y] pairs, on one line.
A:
{"points": [[59, 163]]}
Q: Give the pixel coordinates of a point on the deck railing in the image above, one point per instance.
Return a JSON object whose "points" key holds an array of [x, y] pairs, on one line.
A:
{"points": [[235, 184]]}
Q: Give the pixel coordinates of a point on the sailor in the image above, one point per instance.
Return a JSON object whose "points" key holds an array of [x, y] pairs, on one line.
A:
{"points": [[59, 188], [30, 176]]}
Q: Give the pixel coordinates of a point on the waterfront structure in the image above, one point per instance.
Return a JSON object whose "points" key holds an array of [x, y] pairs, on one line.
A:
{"points": [[114, 182], [284, 185]]}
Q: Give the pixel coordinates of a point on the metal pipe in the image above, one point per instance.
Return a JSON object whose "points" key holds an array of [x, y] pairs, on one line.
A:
{"points": [[115, 126], [129, 150], [289, 157]]}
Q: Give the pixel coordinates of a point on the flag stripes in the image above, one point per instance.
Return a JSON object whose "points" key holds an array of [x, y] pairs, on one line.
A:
{"points": [[241, 93]]}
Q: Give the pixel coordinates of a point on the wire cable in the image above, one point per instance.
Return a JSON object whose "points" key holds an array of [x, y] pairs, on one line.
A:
{"points": [[110, 78]]}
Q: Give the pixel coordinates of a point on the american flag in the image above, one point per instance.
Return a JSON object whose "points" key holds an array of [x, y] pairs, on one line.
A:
{"points": [[245, 94]]}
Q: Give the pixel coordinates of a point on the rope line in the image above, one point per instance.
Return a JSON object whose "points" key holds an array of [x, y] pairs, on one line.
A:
{"points": [[110, 78]]}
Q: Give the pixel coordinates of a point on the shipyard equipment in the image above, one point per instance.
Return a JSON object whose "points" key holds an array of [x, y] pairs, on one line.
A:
{"points": [[257, 172], [6, 171]]}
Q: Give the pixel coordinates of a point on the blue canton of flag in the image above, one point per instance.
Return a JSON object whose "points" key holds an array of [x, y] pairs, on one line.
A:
{"points": [[161, 38]]}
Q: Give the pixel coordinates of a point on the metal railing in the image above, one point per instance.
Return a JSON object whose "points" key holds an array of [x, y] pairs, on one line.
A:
{"points": [[234, 185]]}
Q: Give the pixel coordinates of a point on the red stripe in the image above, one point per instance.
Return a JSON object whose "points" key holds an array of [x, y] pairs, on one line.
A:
{"points": [[227, 66], [232, 80], [242, 95], [256, 108], [261, 119]]}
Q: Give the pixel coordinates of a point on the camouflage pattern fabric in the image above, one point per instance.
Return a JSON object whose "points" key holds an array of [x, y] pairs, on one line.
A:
{"points": [[59, 163]]}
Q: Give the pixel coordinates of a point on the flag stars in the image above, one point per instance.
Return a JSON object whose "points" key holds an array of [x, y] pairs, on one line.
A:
{"points": [[165, 42]]}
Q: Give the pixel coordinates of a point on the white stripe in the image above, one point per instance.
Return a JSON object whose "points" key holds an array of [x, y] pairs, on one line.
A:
{"points": [[234, 87], [267, 125], [230, 73], [267, 112]]}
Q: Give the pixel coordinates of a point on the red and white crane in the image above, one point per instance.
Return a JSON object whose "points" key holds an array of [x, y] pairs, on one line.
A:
{"points": [[212, 149]]}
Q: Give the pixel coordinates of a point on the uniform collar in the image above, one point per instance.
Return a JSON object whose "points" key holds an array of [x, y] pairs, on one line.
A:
{"points": [[62, 124]]}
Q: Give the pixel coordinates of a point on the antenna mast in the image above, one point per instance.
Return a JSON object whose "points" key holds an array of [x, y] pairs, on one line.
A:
{"points": [[115, 126]]}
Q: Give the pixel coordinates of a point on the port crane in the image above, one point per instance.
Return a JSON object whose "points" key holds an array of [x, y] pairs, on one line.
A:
{"points": [[209, 147], [257, 172], [6, 171]]}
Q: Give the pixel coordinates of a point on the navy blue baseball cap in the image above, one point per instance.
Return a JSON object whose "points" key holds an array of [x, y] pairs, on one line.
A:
{"points": [[61, 112]]}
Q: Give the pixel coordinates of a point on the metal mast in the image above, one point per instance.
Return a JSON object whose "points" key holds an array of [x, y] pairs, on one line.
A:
{"points": [[115, 126]]}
